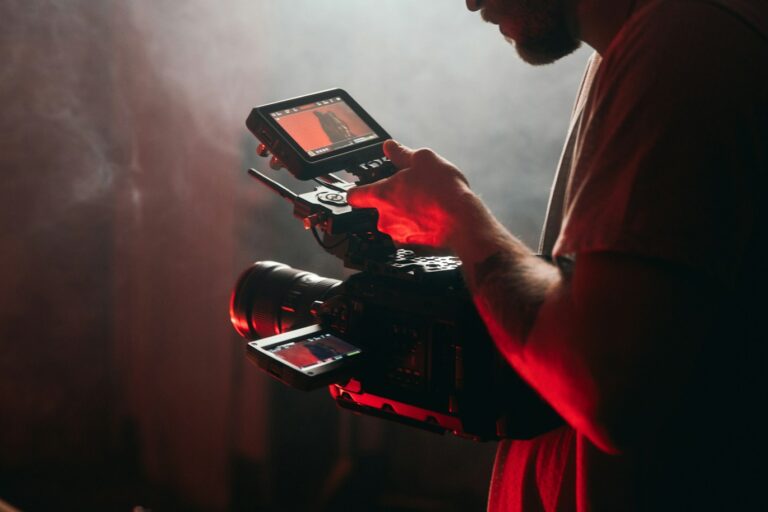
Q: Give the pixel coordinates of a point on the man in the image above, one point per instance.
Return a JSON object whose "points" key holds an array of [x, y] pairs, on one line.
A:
{"points": [[645, 333]]}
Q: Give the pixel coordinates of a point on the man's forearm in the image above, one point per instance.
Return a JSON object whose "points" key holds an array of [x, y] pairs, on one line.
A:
{"points": [[505, 277], [527, 307], [588, 341]]}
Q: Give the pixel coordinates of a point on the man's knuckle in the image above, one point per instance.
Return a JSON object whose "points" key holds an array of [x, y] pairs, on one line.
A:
{"points": [[424, 155]]}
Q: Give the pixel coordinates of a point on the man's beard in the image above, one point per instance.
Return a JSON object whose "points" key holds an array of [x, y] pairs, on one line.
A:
{"points": [[537, 28]]}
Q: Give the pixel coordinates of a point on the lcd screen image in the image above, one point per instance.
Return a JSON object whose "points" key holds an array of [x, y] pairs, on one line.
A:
{"points": [[324, 126], [314, 351]]}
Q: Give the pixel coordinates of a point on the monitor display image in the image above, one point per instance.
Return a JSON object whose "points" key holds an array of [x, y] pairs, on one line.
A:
{"points": [[314, 351], [324, 126]]}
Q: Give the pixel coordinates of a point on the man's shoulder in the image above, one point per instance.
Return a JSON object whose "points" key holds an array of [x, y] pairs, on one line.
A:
{"points": [[698, 48], [680, 103], [695, 25], [751, 13]]}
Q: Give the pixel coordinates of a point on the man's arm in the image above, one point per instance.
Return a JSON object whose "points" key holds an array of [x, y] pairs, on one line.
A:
{"points": [[609, 347]]}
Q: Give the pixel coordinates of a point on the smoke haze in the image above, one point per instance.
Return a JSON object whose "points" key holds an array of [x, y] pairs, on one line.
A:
{"points": [[126, 217]]}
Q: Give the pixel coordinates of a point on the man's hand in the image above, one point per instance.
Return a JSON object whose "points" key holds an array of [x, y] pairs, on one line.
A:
{"points": [[586, 341], [420, 204]]}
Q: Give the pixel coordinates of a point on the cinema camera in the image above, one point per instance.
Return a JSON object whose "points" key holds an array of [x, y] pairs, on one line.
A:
{"points": [[400, 339]]}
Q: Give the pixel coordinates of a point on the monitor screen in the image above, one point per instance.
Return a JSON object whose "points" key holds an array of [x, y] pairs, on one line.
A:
{"points": [[313, 351], [324, 126]]}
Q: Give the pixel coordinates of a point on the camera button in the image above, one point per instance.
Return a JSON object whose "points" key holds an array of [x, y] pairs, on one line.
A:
{"points": [[332, 198]]}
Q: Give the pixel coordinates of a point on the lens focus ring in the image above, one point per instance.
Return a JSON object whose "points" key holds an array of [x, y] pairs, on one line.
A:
{"points": [[270, 298]]}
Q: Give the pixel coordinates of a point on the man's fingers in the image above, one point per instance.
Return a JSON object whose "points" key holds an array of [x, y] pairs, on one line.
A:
{"points": [[367, 196], [398, 154], [359, 196]]}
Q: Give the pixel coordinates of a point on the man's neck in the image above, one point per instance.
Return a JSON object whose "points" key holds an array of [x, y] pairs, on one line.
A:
{"points": [[598, 21]]}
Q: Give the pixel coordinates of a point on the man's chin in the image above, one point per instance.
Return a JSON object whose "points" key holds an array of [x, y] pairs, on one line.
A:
{"points": [[540, 53]]}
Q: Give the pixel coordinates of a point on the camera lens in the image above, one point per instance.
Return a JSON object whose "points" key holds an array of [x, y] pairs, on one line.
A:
{"points": [[270, 298]]}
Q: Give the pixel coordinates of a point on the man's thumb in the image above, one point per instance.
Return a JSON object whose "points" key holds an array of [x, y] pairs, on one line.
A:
{"points": [[399, 155]]}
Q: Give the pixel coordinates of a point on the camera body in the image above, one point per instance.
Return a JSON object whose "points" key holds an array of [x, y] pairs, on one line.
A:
{"points": [[431, 362], [400, 340]]}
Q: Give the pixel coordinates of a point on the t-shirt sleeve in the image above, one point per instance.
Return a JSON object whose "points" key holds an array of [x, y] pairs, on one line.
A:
{"points": [[670, 161]]}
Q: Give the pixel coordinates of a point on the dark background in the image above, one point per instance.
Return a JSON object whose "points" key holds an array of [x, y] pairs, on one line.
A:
{"points": [[126, 218]]}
